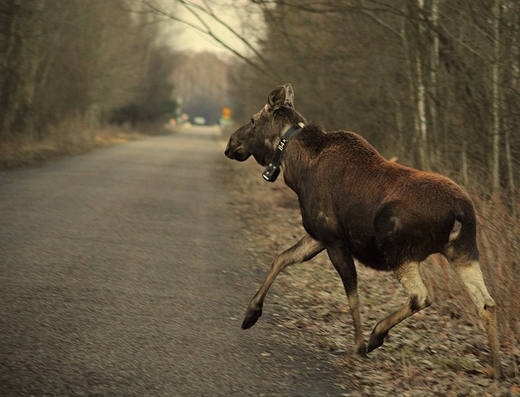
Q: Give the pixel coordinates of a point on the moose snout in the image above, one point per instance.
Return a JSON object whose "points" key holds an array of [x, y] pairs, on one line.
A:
{"points": [[238, 153], [229, 152]]}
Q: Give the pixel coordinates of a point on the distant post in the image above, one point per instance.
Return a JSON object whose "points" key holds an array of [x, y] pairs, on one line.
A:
{"points": [[225, 120]]}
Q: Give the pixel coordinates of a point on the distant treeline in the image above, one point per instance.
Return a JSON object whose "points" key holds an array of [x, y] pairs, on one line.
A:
{"points": [[94, 61]]}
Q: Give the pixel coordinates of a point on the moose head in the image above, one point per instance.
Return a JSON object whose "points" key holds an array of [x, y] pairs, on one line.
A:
{"points": [[259, 137]]}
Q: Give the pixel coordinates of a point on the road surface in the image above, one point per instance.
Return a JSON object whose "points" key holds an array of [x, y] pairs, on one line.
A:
{"points": [[122, 273]]}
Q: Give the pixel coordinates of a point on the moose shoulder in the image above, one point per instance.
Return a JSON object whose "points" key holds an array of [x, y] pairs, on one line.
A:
{"points": [[356, 204]]}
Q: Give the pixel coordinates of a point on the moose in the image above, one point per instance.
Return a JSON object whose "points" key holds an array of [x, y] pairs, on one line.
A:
{"points": [[357, 205]]}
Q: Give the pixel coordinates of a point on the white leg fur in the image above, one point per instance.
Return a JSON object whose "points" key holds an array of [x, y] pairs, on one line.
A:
{"points": [[410, 277], [472, 278], [471, 275]]}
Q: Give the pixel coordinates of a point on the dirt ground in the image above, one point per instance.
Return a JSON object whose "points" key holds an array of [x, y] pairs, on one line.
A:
{"points": [[441, 351]]}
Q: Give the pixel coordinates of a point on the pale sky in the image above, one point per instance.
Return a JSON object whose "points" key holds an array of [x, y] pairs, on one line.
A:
{"points": [[237, 14], [190, 39]]}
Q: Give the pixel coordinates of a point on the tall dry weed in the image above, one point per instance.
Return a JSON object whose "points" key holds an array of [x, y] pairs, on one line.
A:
{"points": [[498, 239], [71, 135]]}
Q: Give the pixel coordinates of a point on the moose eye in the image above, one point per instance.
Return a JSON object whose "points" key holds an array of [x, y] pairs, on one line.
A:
{"points": [[252, 122]]}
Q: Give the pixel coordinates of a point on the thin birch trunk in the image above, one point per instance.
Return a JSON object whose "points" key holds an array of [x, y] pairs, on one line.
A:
{"points": [[515, 82], [410, 74], [495, 132], [421, 98], [464, 160], [421, 109], [434, 89]]}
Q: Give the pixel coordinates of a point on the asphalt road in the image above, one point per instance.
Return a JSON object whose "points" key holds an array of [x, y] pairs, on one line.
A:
{"points": [[123, 273]]}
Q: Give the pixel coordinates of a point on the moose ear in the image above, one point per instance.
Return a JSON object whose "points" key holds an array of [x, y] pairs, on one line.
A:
{"points": [[280, 96], [289, 95]]}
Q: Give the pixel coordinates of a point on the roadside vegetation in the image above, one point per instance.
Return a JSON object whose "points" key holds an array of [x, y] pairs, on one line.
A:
{"points": [[78, 74], [87, 73], [434, 83], [70, 139]]}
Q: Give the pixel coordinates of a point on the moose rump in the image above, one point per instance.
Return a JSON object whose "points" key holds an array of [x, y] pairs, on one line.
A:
{"points": [[406, 221], [356, 204]]}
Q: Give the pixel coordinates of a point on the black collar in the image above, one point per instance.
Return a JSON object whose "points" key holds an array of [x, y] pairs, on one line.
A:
{"points": [[273, 169]]}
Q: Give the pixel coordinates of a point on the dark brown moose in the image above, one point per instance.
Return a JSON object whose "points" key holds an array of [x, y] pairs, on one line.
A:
{"points": [[356, 204]]}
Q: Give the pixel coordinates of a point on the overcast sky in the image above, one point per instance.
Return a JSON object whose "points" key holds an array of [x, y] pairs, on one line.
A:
{"points": [[232, 13], [190, 39]]}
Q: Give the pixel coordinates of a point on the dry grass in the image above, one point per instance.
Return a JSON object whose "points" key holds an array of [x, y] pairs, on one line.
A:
{"points": [[68, 138], [499, 237]]}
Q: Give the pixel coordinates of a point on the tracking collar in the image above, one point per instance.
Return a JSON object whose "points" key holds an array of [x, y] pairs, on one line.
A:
{"points": [[273, 169]]}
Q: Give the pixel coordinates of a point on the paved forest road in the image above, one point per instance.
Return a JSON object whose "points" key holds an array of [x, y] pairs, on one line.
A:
{"points": [[122, 274]]}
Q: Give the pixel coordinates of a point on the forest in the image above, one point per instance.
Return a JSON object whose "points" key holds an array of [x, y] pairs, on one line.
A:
{"points": [[69, 68], [434, 83]]}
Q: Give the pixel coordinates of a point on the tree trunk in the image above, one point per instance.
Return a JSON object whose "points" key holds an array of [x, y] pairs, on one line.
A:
{"points": [[495, 131], [464, 160], [421, 97], [515, 83], [434, 89]]}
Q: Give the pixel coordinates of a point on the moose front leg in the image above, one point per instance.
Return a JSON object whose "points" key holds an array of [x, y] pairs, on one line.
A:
{"points": [[344, 265], [304, 250]]}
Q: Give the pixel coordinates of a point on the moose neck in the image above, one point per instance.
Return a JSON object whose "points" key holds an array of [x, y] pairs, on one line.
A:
{"points": [[273, 169], [300, 155]]}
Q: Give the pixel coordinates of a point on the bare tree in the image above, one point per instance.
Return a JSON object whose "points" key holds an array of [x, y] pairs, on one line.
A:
{"points": [[80, 59], [204, 11], [496, 96]]}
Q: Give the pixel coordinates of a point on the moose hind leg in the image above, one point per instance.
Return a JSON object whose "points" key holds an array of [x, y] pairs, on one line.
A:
{"points": [[304, 250], [471, 276], [418, 298]]}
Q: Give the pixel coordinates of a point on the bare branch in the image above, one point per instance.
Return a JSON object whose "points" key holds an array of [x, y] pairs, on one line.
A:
{"points": [[203, 27]]}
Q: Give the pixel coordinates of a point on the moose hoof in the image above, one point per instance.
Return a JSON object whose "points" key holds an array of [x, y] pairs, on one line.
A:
{"points": [[375, 341], [361, 350], [251, 317], [498, 373]]}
